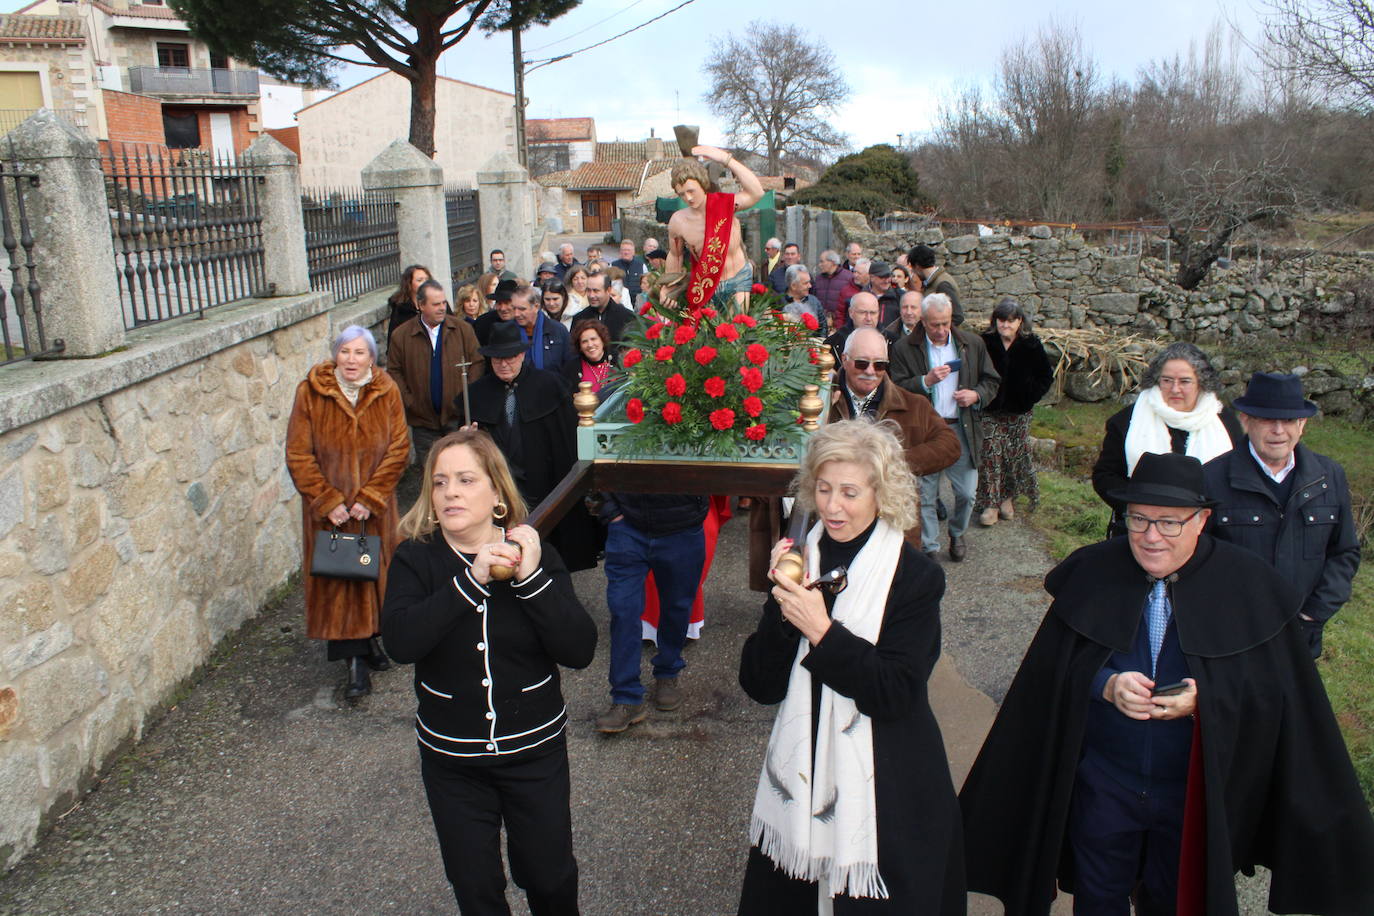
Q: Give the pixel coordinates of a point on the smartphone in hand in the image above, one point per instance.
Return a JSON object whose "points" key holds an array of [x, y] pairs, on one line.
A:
{"points": [[954, 364], [1169, 690]]}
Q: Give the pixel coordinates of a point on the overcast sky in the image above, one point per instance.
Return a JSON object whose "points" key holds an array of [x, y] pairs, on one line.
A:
{"points": [[898, 67]]}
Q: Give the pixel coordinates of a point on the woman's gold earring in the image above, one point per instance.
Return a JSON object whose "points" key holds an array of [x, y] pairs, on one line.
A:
{"points": [[500, 511]]}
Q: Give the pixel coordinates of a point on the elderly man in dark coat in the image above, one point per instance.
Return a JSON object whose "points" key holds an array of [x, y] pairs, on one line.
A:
{"points": [[1280, 499], [1166, 729], [529, 413]]}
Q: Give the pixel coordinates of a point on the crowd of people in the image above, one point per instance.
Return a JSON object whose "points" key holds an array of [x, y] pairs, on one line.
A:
{"points": [[1166, 728]]}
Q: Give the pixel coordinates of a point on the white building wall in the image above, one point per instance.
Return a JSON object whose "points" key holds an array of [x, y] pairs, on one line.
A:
{"points": [[346, 131]]}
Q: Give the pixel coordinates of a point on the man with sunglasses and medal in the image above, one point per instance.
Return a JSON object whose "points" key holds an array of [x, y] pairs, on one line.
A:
{"points": [[1167, 729]]}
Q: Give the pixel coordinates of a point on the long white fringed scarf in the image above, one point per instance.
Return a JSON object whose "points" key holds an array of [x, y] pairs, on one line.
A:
{"points": [[1151, 419], [822, 826]]}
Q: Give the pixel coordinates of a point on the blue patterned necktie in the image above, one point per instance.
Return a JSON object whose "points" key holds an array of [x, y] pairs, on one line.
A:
{"points": [[1159, 611], [510, 407]]}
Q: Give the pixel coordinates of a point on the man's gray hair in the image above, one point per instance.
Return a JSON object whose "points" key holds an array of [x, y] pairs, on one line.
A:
{"points": [[849, 341], [351, 333], [1208, 379], [832, 256], [773, 243], [791, 275], [863, 263], [936, 302], [565, 245]]}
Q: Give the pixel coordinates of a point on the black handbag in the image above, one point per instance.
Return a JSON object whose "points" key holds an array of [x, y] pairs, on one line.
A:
{"points": [[340, 555]]}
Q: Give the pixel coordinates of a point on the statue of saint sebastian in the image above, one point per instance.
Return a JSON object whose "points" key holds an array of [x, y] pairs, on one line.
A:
{"points": [[708, 229]]}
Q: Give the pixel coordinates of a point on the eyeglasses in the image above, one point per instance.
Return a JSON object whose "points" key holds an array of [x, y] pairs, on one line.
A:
{"points": [[1167, 382], [879, 365], [1168, 527], [833, 582]]}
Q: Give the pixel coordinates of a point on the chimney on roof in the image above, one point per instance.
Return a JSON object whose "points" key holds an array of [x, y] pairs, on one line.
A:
{"points": [[651, 133]]}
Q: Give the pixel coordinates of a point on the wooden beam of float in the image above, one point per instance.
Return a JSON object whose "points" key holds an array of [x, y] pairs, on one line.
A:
{"points": [[766, 471]]}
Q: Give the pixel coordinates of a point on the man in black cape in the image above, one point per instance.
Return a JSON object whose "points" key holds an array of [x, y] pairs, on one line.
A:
{"points": [[529, 413], [1093, 778]]}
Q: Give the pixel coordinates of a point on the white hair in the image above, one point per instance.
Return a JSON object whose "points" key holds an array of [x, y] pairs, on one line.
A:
{"points": [[863, 263], [849, 341], [830, 255], [936, 302], [790, 275], [351, 333], [773, 243]]}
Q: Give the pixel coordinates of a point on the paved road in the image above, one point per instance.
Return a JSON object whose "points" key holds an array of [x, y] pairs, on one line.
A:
{"points": [[264, 792]]}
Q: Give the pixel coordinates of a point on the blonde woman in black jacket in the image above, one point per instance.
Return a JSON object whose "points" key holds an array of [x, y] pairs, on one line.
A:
{"points": [[486, 651]]}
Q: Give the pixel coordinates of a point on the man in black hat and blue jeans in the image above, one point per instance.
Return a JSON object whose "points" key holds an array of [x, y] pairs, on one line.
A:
{"points": [[1285, 502], [1167, 728]]}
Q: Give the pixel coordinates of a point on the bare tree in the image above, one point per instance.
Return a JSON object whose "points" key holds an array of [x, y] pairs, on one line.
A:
{"points": [[1212, 202], [775, 90], [1329, 43]]}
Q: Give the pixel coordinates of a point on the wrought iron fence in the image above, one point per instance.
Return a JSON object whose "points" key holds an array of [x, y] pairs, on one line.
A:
{"points": [[186, 228], [21, 295], [351, 240], [464, 233], [10, 118]]}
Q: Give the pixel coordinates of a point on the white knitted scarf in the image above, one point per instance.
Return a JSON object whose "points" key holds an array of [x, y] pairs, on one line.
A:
{"points": [[822, 826], [1151, 419]]}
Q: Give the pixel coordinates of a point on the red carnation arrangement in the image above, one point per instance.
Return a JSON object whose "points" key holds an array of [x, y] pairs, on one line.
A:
{"points": [[672, 412], [727, 332], [684, 333], [810, 321], [722, 419], [758, 289], [714, 386], [631, 358], [664, 353], [634, 410], [675, 385], [756, 354], [749, 321], [756, 433], [753, 405], [751, 379], [704, 355], [654, 331]]}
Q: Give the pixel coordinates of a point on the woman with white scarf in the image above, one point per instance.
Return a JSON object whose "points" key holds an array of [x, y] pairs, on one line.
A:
{"points": [[1177, 411], [855, 811]]}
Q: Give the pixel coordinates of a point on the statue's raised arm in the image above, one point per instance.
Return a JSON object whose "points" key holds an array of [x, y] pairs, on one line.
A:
{"points": [[708, 231]]}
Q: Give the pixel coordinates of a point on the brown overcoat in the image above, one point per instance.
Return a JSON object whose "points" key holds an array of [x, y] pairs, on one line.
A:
{"points": [[341, 454], [408, 355]]}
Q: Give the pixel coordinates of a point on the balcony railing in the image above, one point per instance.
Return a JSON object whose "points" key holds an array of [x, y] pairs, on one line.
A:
{"points": [[10, 118], [192, 81]]}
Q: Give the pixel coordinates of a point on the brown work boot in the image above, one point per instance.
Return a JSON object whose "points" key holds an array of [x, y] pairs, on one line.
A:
{"points": [[667, 695], [988, 517], [620, 717], [1005, 510]]}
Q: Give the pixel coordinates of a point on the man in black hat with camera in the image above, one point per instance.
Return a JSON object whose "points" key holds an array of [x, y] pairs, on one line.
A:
{"points": [[502, 309], [1285, 502], [530, 415], [1167, 728]]}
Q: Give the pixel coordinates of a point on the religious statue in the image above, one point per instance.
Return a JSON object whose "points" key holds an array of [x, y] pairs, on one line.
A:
{"points": [[708, 229]]}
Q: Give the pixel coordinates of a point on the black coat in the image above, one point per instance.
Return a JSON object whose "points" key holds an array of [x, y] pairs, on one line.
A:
{"points": [[918, 819], [1109, 472], [1026, 373], [1311, 540], [615, 317], [486, 656], [541, 450], [1280, 790]]}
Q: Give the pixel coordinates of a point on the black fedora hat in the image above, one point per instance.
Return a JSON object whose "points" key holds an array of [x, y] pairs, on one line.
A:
{"points": [[1165, 480], [504, 290], [505, 340], [1274, 396]]}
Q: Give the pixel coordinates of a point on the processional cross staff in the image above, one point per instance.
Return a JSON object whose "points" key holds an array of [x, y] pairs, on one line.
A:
{"points": [[462, 367]]}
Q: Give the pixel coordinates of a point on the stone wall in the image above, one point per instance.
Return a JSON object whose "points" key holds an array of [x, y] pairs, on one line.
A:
{"points": [[145, 512]]}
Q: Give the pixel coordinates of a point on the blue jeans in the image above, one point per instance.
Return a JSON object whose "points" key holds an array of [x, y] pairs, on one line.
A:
{"points": [[963, 479], [676, 560]]}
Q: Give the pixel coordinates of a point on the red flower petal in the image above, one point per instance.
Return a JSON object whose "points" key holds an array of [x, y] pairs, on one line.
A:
{"points": [[756, 433], [722, 419], [715, 386], [672, 412], [756, 354], [753, 405], [664, 353], [631, 358], [704, 355], [634, 410], [675, 385]]}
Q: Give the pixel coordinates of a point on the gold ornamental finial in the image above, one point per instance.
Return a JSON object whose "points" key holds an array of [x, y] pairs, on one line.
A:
{"points": [[585, 403], [825, 360], [811, 408]]}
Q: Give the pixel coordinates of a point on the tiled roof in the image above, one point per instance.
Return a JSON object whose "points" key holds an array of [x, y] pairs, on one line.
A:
{"points": [[622, 151], [41, 28], [145, 12], [659, 165], [597, 176], [549, 130]]}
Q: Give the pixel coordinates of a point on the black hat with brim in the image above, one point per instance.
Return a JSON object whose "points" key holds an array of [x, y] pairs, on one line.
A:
{"points": [[1165, 480], [504, 290], [1274, 396], [505, 341]]}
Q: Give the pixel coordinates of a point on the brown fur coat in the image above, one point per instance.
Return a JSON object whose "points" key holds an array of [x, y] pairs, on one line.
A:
{"points": [[341, 454]]}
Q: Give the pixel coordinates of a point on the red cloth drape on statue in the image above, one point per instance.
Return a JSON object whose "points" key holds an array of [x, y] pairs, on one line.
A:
{"points": [[707, 268], [718, 514]]}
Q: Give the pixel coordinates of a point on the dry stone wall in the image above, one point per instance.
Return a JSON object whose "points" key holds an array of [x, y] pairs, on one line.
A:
{"points": [[137, 528]]}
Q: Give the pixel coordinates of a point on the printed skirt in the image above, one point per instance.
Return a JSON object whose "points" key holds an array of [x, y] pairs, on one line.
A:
{"points": [[1006, 470]]}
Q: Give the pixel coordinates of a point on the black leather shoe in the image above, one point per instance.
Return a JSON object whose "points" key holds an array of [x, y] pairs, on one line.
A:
{"points": [[359, 681], [376, 659], [940, 511], [957, 548]]}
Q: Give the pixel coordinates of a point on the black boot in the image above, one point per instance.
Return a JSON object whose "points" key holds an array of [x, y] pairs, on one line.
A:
{"points": [[376, 659], [359, 681]]}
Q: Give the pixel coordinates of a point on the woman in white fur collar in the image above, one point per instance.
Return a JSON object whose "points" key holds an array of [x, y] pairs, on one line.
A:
{"points": [[1178, 411], [854, 811]]}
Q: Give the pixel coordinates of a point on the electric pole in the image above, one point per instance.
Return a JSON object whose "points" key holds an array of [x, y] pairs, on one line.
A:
{"points": [[521, 152]]}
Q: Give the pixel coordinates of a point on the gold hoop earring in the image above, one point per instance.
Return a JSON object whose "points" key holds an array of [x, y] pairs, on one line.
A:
{"points": [[504, 510], [432, 519]]}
